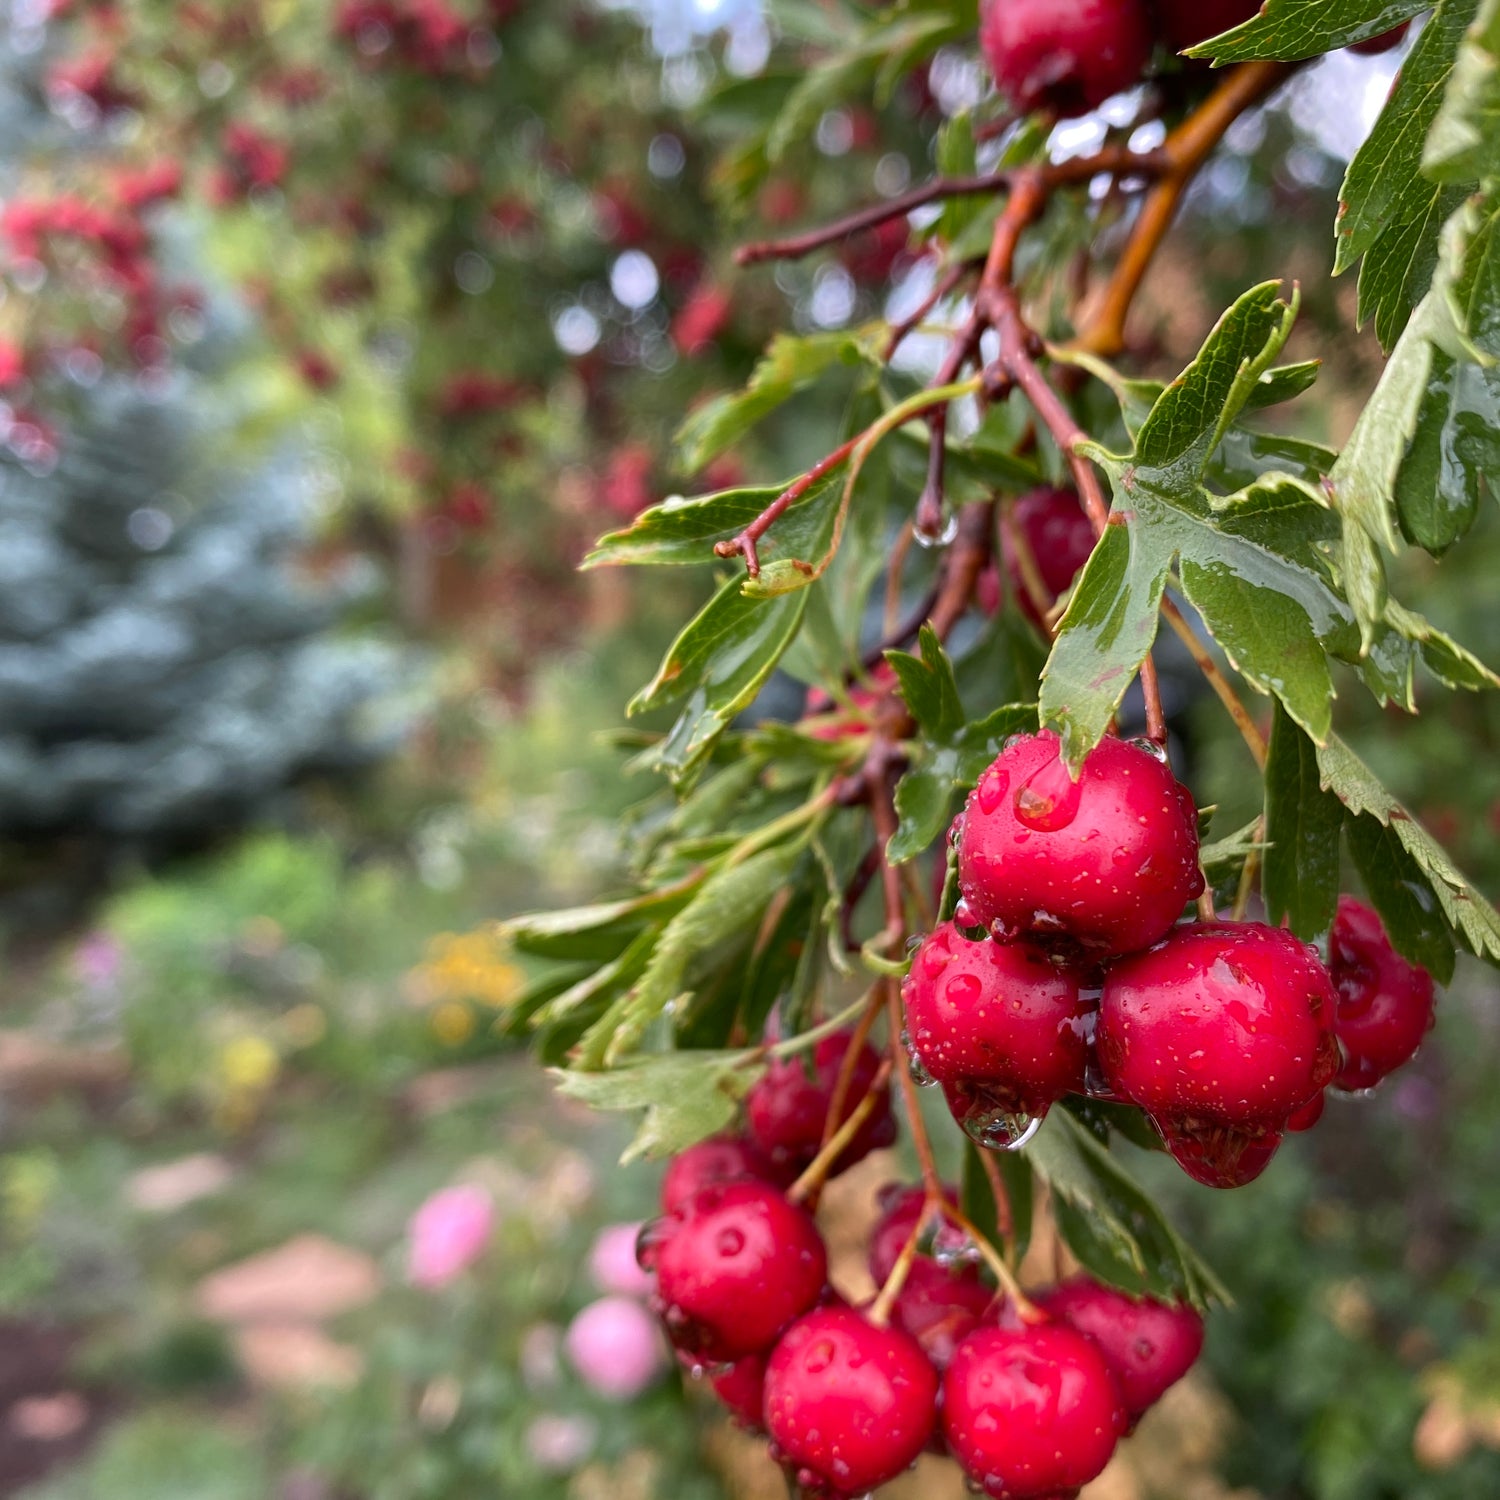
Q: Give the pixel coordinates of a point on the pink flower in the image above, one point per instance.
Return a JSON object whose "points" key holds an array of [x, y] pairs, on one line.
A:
{"points": [[448, 1233], [97, 959], [616, 1347], [613, 1265]]}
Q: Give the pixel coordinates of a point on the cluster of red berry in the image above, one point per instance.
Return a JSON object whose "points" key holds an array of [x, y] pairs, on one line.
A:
{"points": [[1069, 56], [1065, 971], [1029, 1395]]}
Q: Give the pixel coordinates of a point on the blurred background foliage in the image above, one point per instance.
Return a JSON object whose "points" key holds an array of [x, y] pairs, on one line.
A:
{"points": [[332, 334]]}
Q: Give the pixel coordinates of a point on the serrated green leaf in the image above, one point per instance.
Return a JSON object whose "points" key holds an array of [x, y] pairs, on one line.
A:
{"points": [[1464, 142], [1288, 30], [1473, 282], [928, 687], [791, 364], [1397, 271], [1456, 441], [1283, 383], [583, 933], [686, 1096], [1451, 663], [1470, 918], [1192, 414], [1110, 1222], [1402, 895], [1383, 185], [1300, 873]]}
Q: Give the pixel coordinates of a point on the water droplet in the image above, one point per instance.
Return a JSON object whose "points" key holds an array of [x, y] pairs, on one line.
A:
{"points": [[649, 1241], [963, 915], [963, 989], [818, 1358], [1157, 752], [939, 538], [1049, 798], [990, 792], [1001, 1129]]}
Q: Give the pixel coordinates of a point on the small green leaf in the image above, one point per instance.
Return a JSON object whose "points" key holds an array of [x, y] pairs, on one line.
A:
{"points": [[1289, 30], [1283, 383], [598, 932], [686, 1096], [1301, 870], [1464, 142], [1110, 1222], [928, 687]]}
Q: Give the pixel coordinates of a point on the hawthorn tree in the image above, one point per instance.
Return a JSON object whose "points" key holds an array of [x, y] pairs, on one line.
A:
{"points": [[1081, 958]]}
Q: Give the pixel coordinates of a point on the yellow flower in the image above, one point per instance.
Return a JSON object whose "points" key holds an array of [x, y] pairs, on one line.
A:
{"points": [[249, 1065], [453, 1023], [468, 966]]}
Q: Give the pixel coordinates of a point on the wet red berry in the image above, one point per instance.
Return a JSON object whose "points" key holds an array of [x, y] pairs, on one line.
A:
{"points": [[787, 1109], [1056, 531], [1064, 55], [1148, 1345], [1102, 865], [1384, 42], [742, 1388], [734, 1266], [940, 1306], [1001, 1020], [900, 1208], [1185, 23], [1031, 1413], [1308, 1116], [1385, 1004], [848, 1405], [1220, 1033], [723, 1158]]}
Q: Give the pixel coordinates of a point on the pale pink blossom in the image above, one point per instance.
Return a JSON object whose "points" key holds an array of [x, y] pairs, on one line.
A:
{"points": [[616, 1348], [448, 1234], [613, 1265]]}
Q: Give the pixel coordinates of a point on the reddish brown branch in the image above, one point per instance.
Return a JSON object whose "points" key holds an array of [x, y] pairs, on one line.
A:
{"points": [[945, 286]]}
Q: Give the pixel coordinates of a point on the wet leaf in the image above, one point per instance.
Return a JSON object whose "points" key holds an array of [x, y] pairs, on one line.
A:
{"points": [[1464, 142], [600, 931], [1300, 873], [977, 1197], [1293, 29]]}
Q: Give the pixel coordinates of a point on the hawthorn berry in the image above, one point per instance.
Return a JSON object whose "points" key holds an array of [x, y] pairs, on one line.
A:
{"points": [[1220, 1033], [1067, 56], [1385, 1004], [1000, 1021], [720, 1159], [1031, 1413], [734, 1266], [1384, 42], [900, 1208], [848, 1405], [1308, 1116], [742, 1389], [1102, 865], [1148, 1345], [1185, 23], [786, 1110], [940, 1306], [1056, 531]]}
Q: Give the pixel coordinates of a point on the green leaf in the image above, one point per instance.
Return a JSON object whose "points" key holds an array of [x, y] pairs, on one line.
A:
{"points": [[597, 932], [1284, 383], [1464, 142], [1449, 662], [1402, 895], [1249, 565], [1383, 186], [1110, 1222], [790, 365], [1456, 441], [714, 669], [928, 686], [686, 1096], [1396, 273], [1473, 283], [731, 901], [683, 531], [1292, 29], [1190, 417], [1300, 879], [1244, 456], [1471, 919]]}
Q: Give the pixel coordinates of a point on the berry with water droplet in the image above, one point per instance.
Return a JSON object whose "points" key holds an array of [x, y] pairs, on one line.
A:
{"points": [[1068, 56], [1220, 1033], [1148, 1345], [1385, 1004], [1002, 1022], [900, 1208], [1056, 531], [742, 1389], [734, 1266], [850, 1404], [1031, 1413], [787, 1109], [722, 1158], [1103, 865]]}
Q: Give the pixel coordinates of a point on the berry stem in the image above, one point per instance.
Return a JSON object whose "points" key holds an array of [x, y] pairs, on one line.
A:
{"points": [[815, 1034], [1248, 872], [1254, 742], [945, 286], [810, 1183], [1102, 331], [1026, 564], [848, 1063], [880, 1311], [1005, 1221]]}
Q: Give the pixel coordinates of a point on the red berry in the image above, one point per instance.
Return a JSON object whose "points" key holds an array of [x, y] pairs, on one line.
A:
{"points": [[1057, 533], [848, 1405], [1385, 1005], [1031, 1413], [1104, 864], [940, 1306], [1148, 1345], [1001, 1020], [900, 1208], [1308, 1116], [1384, 42], [742, 1388], [723, 1158], [1185, 23], [733, 1268], [1064, 55], [1220, 1033], [787, 1109]]}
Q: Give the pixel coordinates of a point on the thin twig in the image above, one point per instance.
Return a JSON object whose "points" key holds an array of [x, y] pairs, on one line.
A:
{"points": [[821, 1168], [1254, 742], [944, 287]]}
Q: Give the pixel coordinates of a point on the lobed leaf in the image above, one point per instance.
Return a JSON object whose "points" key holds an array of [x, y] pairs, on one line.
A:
{"points": [[1300, 873], [1288, 30]]}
